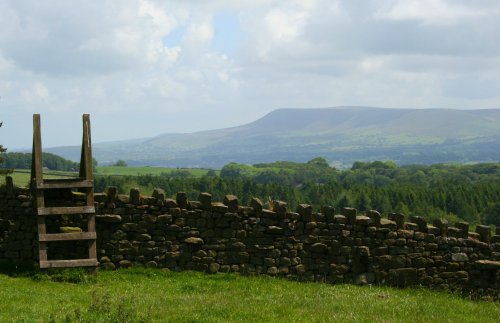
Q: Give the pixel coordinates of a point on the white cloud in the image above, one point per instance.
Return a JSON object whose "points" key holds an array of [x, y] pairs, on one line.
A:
{"points": [[58, 37], [36, 93], [371, 64], [283, 26], [432, 12], [41, 91], [109, 58], [198, 37]]}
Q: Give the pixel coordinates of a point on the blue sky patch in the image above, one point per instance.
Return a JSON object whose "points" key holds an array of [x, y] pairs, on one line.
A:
{"points": [[175, 37], [227, 33]]}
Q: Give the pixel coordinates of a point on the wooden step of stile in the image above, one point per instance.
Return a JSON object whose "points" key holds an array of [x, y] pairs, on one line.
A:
{"points": [[67, 236], [68, 263], [63, 210], [69, 183]]}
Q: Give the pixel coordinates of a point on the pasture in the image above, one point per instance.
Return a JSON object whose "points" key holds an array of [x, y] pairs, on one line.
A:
{"points": [[148, 170], [21, 177], [153, 295]]}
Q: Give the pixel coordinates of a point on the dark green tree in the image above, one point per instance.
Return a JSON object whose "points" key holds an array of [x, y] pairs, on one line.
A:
{"points": [[492, 214], [181, 173], [211, 173], [319, 161], [120, 163], [51, 161], [94, 165]]}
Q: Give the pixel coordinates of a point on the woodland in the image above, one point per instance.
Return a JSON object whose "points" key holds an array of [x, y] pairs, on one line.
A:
{"points": [[456, 192]]}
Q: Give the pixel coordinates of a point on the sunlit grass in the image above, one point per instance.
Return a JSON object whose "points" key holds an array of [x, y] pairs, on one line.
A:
{"points": [[144, 170], [21, 177], [154, 295]]}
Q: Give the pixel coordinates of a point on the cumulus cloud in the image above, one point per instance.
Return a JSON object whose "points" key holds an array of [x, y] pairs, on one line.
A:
{"points": [[151, 66], [81, 37], [432, 12]]}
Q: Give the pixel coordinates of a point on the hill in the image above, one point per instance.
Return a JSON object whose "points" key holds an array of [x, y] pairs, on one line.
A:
{"points": [[342, 135]]}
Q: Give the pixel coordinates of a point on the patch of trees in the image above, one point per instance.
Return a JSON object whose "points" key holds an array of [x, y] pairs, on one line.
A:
{"points": [[454, 192], [120, 163], [283, 172], [51, 161]]}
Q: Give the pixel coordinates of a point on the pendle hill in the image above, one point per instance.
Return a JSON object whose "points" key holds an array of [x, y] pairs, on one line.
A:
{"points": [[342, 135]]}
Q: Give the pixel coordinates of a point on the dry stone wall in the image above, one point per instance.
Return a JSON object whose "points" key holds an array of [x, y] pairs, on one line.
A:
{"points": [[326, 246]]}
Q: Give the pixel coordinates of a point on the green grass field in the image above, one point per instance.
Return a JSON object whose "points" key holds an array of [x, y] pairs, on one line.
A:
{"points": [[142, 170], [152, 295], [21, 177]]}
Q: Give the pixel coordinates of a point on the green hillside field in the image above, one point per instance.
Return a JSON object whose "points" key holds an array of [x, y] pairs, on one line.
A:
{"points": [[144, 170], [21, 177], [153, 295]]}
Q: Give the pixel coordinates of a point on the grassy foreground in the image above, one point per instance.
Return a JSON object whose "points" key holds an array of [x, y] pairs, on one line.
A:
{"points": [[137, 294]]}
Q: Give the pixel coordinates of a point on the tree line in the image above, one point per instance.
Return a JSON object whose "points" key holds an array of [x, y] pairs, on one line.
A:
{"points": [[454, 192], [51, 161]]}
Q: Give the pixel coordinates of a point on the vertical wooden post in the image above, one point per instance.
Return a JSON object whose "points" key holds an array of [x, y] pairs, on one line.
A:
{"points": [[37, 165], [86, 155], [86, 172], [36, 180]]}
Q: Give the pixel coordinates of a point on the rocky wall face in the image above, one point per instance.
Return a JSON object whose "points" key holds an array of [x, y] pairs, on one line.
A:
{"points": [[225, 237], [17, 226]]}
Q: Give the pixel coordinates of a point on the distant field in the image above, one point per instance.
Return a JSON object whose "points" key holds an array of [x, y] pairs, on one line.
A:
{"points": [[21, 177], [144, 295], [141, 170]]}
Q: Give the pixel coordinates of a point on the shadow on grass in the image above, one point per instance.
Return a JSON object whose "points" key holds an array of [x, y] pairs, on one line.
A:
{"points": [[28, 270], [17, 269]]}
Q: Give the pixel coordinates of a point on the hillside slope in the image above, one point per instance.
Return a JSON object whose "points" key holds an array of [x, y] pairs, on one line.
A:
{"points": [[342, 135]]}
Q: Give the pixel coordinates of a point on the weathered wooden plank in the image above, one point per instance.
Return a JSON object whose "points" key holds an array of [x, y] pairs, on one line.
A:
{"points": [[42, 246], [86, 154], [42, 251], [86, 169], [65, 183], [67, 236], [92, 243], [93, 249], [37, 165], [65, 210], [69, 263]]}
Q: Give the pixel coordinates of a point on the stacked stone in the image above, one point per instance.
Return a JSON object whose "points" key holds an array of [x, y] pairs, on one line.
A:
{"points": [[329, 246], [17, 225]]}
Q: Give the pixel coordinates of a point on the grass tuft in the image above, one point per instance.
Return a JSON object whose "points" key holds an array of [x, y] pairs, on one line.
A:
{"points": [[65, 275]]}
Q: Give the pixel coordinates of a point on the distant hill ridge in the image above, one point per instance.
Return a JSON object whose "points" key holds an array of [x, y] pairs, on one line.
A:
{"points": [[341, 134]]}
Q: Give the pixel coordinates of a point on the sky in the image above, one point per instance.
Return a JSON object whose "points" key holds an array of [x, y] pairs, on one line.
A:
{"points": [[142, 68]]}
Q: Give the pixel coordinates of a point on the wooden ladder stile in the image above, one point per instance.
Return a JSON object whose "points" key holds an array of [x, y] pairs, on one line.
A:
{"points": [[84, 183]]}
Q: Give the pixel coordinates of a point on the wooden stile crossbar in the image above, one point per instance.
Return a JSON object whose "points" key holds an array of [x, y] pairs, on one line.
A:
{"points": [[84, 182]]}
